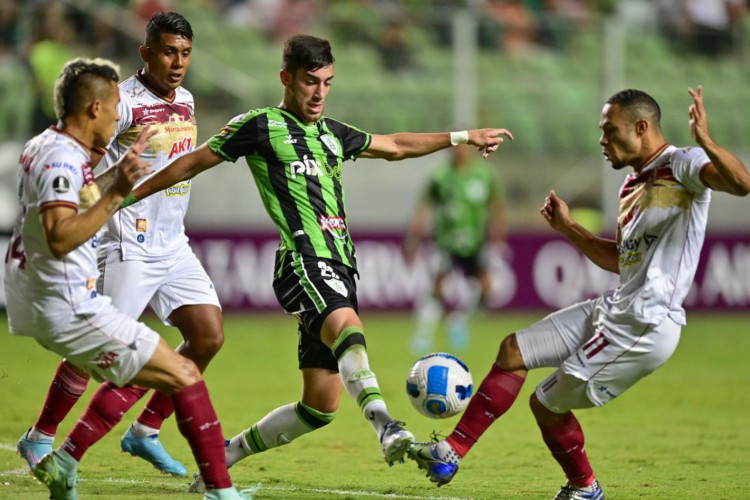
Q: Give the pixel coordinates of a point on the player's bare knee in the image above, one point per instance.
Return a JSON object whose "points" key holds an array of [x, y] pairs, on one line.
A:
{"points": [[207, 345], [509, 357], [186, 373], [542, 414]]}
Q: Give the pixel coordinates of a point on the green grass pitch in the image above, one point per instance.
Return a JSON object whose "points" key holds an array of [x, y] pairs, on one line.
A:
{"points": [[682, 433]]}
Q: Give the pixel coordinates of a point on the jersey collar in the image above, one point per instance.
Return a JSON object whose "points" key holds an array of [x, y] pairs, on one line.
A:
{"points": [[142, 78]]}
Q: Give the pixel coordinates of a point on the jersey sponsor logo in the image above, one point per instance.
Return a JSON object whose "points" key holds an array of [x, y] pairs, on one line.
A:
{"points": [[331, 143], [334, 225], [290, 140], [61, 184], [182, 146], [90, 283], [181, 189], [308, 166], [140, 225], [276, 123], [60, 164], [176, 118]]}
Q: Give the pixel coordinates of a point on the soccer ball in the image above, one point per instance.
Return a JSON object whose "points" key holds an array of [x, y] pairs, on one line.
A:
{"points": [[439, 385]]}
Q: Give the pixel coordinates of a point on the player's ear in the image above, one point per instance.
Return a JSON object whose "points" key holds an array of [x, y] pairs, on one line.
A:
{"points": [[94, 108], [143, 52], [285, 77], [641, 126]]}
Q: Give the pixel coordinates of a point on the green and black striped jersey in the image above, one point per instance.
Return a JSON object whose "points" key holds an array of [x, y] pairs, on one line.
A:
{"points": [[297, 169], [462, 199]]}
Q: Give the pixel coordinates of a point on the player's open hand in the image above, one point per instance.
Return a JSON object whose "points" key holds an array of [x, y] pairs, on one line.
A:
{"points": [[131, 166], [556, 212], [488, 140], [698, 120]]}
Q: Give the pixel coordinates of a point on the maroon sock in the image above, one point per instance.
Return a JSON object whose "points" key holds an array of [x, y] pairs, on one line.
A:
{"points": [[105, 411], [66, 388], [199, 424], [565, 440], [495, 395], [158, 409]]}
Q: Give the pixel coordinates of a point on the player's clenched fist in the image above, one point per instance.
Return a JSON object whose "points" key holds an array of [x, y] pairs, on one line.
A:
{"points": [[556, 212], [131, 167]]}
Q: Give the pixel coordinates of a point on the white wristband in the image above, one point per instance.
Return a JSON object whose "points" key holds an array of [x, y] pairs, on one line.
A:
{"points": [[461, 137]]}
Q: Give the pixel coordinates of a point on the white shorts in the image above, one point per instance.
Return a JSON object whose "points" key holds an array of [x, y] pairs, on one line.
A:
{"points": [[108, 345], [597, 359], [165, 284]]}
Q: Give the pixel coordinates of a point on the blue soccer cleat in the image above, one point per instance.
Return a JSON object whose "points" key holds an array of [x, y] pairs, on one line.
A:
{"points": [[58, 471], [150, 449], [439, 470], [570, 492], [33, 451], [396, 441]]}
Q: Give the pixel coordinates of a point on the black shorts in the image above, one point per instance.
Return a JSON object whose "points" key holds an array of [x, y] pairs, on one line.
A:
{"points": [[310, 288], [470, 265]]}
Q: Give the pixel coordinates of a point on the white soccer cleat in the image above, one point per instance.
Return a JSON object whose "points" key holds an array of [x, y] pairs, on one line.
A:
{"points": [[396, 442], [570, 492]]}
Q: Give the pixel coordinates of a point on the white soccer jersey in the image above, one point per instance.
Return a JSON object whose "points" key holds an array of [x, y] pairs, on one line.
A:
{"points": [[662, 223], [44, 292], [152, 228]]}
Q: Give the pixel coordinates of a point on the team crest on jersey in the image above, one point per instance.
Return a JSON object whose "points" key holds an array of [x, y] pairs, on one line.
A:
{"points": [[331, 143], [141, 225]]}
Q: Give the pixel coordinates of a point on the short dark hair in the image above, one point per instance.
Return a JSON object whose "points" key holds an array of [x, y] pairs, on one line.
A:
{"points": [[639, 103], [307, 52], [168, 22], [81, 81]]}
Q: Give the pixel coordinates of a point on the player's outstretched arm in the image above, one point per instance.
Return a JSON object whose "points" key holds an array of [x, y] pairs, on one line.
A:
{"points": [[183, 168], [65, 229], [601, 251], [404, 145], [726, 172]]}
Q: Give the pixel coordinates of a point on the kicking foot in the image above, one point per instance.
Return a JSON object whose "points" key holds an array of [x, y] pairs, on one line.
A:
{"points": [[396, 442]]}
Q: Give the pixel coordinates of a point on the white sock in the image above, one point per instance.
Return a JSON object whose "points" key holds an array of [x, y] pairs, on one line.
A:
{"points": [[35, 435], [142, 431]]}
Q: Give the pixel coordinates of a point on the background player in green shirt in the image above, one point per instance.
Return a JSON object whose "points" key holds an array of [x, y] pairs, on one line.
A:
{"points": [[464, 200], [295, 155]]}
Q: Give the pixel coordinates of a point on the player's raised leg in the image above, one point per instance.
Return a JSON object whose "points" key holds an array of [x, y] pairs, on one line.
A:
{"points": [[342, 330], [495, 395]]}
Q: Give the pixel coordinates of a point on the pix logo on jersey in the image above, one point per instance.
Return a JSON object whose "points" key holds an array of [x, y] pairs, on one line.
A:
{"points": [[141, 225]]}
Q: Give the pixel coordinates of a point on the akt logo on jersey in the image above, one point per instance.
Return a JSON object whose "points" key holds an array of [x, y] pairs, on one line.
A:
{"points": [[141, 225], [308, 166], [180, 147]]}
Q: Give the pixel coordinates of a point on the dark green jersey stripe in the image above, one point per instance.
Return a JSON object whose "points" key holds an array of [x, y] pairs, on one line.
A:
{"points": [[297, 169]]}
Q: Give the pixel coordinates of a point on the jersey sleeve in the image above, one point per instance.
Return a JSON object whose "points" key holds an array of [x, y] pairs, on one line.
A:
{"points": [[238, 138], [59, 179], [353, 140], [687, 166]]}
